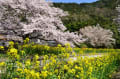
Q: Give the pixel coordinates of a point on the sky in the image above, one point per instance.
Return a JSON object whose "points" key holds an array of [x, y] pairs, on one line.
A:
{"points": [[75, 1]]}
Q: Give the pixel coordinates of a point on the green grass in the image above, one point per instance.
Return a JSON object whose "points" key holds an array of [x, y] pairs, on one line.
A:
{"points": [[91, 50]]}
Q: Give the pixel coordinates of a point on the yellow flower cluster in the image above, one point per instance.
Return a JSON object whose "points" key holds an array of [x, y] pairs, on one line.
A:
{"points": [[2, 64], [1, 47], [13, 53], [45, 49]]}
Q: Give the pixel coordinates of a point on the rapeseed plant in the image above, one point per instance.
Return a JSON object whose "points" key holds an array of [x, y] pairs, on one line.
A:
{"points": [[60, 66]]}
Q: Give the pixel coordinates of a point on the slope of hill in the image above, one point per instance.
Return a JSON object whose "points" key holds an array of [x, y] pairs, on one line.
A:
{"points": [[100, 12]]}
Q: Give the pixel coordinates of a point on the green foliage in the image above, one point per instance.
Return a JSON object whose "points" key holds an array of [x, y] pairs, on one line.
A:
{"points": [[83, 45], [95, 51], [107, 3]]}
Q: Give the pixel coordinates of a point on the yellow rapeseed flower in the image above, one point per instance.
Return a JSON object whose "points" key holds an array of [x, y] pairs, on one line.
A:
{"points": [[2, 63], [26, 70], [19, 70], [19, 64], [53, 60], [13, 50], [59, 77], [77, 68], [11, 43], [1, 47], [77, 76], [36, 57], [14, 78], [46, 47], [32, 72], [44, 74], [73, 53], [37, 62], [27, 39], [44, 67], [56, 70], [37, 75], [27, 63], [59, 45], [70, 62], [66, 67]]}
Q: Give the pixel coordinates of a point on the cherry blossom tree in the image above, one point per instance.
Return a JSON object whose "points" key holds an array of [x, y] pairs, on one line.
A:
{"points": [[97, 36], [36, 19]]}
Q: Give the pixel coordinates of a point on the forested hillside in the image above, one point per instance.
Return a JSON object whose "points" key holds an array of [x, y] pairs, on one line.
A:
{"points": [[100, 12]]}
